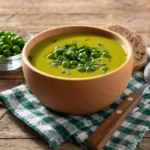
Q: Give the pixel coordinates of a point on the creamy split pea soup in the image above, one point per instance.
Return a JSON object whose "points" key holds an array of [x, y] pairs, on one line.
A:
{"points": [[77, 55]]}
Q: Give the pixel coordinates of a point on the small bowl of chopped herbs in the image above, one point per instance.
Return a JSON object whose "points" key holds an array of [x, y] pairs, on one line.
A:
{"points": [[12, 42]]}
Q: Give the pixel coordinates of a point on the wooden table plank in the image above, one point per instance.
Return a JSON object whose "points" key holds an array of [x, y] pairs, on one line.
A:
{"points": [[9, 83], [15, 74], [31, 22], [32, 144], [145, 144], [71, 6]]}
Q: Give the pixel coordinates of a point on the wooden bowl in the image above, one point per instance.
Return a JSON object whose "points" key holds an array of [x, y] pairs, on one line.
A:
{"points": [[77, 96]]}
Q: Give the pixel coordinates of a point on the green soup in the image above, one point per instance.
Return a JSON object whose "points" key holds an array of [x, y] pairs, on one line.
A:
{"points": [[38, 55]]}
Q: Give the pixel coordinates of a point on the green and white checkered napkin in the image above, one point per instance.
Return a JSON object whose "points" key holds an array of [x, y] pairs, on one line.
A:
{"points": [[56, 128]]}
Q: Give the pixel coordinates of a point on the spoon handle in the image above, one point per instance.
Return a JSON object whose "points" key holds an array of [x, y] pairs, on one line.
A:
{"points": [[105, 131]]}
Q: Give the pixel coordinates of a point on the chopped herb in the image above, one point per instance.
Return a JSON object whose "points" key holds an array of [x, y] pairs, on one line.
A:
{"points": [[86, 40], [106, 54], [63, 71], [30, 58], [108, 59], [54, 63], [68, 72], [100, 45], [54, 41], [75, 42], [104, 69], [44, 55], [100, 63], [54, 66]]}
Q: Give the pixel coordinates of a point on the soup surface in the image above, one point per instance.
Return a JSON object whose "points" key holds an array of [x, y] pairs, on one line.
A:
{"points": [[39, 54]]}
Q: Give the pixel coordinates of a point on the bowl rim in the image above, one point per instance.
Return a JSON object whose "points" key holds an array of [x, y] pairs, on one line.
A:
{"points": [[26, 61]]}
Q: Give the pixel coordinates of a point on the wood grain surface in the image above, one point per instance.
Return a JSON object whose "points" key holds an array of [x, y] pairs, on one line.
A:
{"points": [[39, 15]]}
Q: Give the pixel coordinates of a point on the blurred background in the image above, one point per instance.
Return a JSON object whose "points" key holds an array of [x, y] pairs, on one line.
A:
{"points": [[38, 15]]}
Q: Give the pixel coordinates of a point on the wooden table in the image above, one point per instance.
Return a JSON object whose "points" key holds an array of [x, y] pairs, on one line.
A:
{"points": [[38, 15]]}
